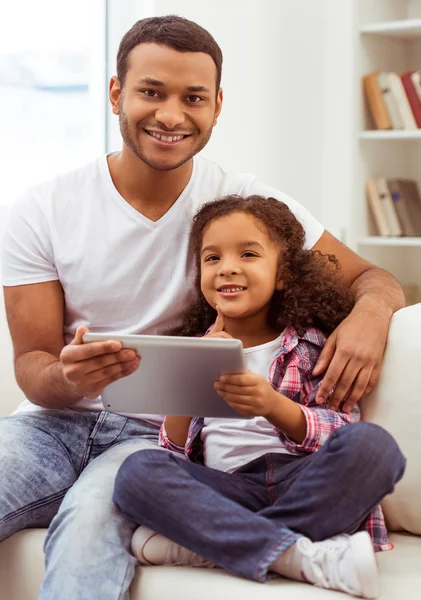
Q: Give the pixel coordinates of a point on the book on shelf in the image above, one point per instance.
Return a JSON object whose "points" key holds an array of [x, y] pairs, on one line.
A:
{"points": [[376, 208], [389, 207], [413, 98], [385, 85], [376, 102], [395, 205], [402, 210], [393, 100], [416, 80]]}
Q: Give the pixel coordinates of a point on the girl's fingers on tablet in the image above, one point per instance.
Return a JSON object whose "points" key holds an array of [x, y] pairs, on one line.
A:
{"points": [[240, 406], [243, 379], [240, 390]]}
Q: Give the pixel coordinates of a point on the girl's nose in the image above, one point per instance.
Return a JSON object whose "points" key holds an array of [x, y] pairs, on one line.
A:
{"points": [[228, 269]]}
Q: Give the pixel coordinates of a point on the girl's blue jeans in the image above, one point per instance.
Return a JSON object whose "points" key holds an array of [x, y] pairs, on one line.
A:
{"points": [[242, 521]]}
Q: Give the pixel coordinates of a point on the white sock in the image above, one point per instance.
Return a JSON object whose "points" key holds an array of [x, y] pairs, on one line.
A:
{"points": [[288, 564]]}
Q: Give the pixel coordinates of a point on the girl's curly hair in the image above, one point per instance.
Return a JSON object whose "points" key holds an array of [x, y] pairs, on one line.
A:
{"points": [[313, 295]]}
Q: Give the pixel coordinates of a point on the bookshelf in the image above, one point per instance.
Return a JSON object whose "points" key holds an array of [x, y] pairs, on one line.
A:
{"points": [[404, 30], [391, 135], [377, 240], [386, 36]]}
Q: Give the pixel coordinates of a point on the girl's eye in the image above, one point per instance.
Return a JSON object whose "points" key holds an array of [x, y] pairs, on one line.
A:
{"points": [[211, 258], [249, 255]]}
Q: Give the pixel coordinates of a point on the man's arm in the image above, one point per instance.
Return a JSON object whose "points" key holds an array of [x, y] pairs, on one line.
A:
{"points": [[49, 373], [354, 352]]}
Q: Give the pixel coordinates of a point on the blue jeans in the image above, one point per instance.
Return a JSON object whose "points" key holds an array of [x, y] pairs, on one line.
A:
{"points": [[58, 467], [244, 520]]}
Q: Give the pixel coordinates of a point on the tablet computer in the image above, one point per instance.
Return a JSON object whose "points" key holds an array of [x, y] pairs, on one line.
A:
{"points": [[175, 375]]}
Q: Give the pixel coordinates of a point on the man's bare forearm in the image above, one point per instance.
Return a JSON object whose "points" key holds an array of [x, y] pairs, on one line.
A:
{"points": [[40, 377], [378, 291]]}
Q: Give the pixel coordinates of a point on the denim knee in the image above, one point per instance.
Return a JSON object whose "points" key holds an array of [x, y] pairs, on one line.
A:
{"points": [[366, 442], [138, 472]]}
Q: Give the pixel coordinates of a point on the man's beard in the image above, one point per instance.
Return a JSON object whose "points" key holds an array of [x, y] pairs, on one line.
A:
{"points": [[130, 143]]}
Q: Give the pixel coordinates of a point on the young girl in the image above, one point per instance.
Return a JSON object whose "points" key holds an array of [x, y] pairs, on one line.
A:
{"points": [[275, 492]]}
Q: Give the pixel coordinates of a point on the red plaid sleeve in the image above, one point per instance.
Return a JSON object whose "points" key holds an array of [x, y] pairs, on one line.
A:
{"points": [[322, 422], [300, 385], [376, 527]]}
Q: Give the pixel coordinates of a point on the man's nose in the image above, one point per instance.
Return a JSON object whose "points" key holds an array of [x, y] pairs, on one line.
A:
{"points": [[170, 113]]}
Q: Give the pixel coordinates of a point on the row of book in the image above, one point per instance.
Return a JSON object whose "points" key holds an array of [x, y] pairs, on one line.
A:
{"points": [[395, 205], [394, 100]]}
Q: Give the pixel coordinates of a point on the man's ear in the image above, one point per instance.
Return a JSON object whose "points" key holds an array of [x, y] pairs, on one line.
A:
{"points": [[218, 107], [115, 94]]}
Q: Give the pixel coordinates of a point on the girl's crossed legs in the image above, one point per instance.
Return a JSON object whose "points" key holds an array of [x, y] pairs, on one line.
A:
{"points": [[245, 520]]}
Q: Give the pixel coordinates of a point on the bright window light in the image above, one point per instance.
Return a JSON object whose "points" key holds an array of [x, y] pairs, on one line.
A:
{"points": [[52, 89]]}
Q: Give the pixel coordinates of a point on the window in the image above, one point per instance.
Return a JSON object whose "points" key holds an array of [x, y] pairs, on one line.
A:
{"points": [[52, 89]]}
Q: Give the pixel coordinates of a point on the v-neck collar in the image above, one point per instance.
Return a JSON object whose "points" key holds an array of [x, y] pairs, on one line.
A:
{"points": [[132, 212]]}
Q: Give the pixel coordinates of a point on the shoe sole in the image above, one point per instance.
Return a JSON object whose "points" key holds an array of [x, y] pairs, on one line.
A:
{"points": [[366, 565]]}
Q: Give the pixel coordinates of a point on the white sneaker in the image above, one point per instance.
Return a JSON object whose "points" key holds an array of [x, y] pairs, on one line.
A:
{"points": [[346, 563], [150, 548]]}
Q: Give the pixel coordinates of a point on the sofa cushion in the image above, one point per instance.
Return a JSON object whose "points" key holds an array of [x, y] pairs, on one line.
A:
{"points": [[395, 404]]}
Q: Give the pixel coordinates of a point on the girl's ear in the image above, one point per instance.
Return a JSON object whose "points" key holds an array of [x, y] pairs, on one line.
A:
{"points": [[280, 285]]}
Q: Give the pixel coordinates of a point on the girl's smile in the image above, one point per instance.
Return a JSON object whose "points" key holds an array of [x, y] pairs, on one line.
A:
{"points": [[231, 290]]}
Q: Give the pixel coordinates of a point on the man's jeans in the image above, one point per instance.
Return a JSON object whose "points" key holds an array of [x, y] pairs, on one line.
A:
{"points": [[58, 467], [243, 521]]}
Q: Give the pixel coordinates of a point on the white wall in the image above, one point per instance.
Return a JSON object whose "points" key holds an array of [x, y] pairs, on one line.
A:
{"points": [[272, 121], [338, 101]]}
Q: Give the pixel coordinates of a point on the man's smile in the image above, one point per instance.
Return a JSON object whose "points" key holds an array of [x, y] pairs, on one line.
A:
{"points": [[167, 138]]}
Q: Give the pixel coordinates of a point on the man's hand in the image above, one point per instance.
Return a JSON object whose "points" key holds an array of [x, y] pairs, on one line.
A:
{"points": [[247, 393], [88, 368], [352, 356], [217, 329]]}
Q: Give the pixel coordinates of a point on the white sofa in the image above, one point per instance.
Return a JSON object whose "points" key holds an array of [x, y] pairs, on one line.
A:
{"points": [[395, 404]]}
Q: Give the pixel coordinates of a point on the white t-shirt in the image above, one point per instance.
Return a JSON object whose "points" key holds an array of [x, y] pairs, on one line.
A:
{"points": [[230, 443], [119, 271]]}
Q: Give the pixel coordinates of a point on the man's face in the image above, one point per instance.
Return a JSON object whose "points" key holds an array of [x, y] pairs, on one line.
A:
{"points": [[168, 106]]}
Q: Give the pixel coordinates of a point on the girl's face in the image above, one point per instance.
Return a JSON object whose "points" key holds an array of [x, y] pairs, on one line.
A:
{"points": [[239, 264]]}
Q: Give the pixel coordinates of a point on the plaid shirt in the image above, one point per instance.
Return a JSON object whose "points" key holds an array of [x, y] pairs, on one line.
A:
{"points": [[291, 375]]}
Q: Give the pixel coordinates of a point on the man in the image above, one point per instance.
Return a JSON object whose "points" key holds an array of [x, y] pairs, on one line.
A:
{"points": [[106, 246]]}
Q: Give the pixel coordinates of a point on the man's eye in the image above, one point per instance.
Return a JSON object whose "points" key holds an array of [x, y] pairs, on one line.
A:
{"points": [[194, 99], [149, 93]]}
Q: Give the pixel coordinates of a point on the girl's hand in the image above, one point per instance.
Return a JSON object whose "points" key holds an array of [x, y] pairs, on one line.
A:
{"points": [[247, 393], [217, 329]]}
